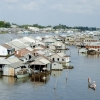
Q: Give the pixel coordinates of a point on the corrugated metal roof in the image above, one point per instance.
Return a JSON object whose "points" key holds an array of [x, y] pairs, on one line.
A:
{"points": [[16, 64], [58, 43], [29, 39], [23, 40], [49, 40], [45, 61], [12, 60], [37, 63], [61, 54], [18, 44], [4, 62], [29, 48], [16, 48], [6, 46]]}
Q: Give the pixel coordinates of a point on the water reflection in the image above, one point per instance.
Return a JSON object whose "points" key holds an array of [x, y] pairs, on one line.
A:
{"points": [[23, 80], [38, 79], [11, 80], [8, 80], [89, 56], [93, 56], [56, 73]]}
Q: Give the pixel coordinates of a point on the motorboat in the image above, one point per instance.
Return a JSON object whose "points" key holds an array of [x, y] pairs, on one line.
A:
{"points": [[91, 85]]}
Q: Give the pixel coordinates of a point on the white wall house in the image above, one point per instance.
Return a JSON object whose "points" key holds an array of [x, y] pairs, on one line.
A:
{"points": [[35, 29], [57, 66], [88, 41], [60, 57], [12, 69], [59, 45], [3, 51]]}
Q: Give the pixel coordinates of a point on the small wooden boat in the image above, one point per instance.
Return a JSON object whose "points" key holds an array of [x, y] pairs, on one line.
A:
{"points": [[91, 85], [22, 73]]}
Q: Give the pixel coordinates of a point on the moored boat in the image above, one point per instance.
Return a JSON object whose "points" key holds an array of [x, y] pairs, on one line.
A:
{"points": [[22, 73], [91, 52]]}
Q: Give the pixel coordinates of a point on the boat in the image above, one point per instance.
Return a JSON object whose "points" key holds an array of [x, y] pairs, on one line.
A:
{"points": [[91, 85], [91, 52], [22, 73]]}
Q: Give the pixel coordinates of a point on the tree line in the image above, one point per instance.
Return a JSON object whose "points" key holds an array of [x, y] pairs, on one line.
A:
{"points": [[5, 24], [60, 26]]}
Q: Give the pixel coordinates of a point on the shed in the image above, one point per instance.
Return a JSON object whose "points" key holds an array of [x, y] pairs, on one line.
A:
{"points": [[11, 69], [40, 63]]}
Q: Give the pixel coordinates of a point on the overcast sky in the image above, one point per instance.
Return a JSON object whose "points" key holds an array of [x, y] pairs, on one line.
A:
{"points": [[51, 12]]}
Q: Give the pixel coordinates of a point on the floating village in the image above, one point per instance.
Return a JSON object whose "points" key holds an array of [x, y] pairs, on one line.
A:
{"points": [[29, 56]]}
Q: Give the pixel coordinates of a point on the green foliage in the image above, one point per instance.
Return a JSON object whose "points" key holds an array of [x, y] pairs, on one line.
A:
{"points": [[5, 24], [77, 27], [38, 26], [23, 26]]}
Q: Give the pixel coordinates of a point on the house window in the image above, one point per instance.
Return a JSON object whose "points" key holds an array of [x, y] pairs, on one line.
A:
{"points": [[58, 59], [53, 59], [62, 59]]}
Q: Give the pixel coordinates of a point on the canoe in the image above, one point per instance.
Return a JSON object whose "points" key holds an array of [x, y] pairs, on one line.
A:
{"points": [[91, 85]]}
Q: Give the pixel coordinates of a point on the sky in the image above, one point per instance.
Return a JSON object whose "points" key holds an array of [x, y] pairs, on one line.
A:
{"points": [[51, 12]]}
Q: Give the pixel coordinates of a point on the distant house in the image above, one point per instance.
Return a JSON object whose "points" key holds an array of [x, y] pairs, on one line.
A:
{"points": [[59, 45], [40, 48], [87, 41], [60, 38], [34, 29], [60, 57], [30, 40], [93, 46], [57, 66], [16, 44], [48, 52], [40, 63], [23, 40], [69, 40], [6, 50], [13, 68], [78, 42], [22, 52], [24, 55], [9, 65], [52, 47], [49, 40]]}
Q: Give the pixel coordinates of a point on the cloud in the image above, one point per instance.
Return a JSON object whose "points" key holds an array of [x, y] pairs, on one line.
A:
{"points": [[33, 5], [79, 6], [30, 6], [11, 1]]}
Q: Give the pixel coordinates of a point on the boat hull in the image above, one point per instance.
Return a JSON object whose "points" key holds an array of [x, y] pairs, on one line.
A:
{"points": [[92, 87], [23, 75]]}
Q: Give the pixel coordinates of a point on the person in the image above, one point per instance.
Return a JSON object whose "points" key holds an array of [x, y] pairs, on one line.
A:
{"points": [[89, 80]]}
